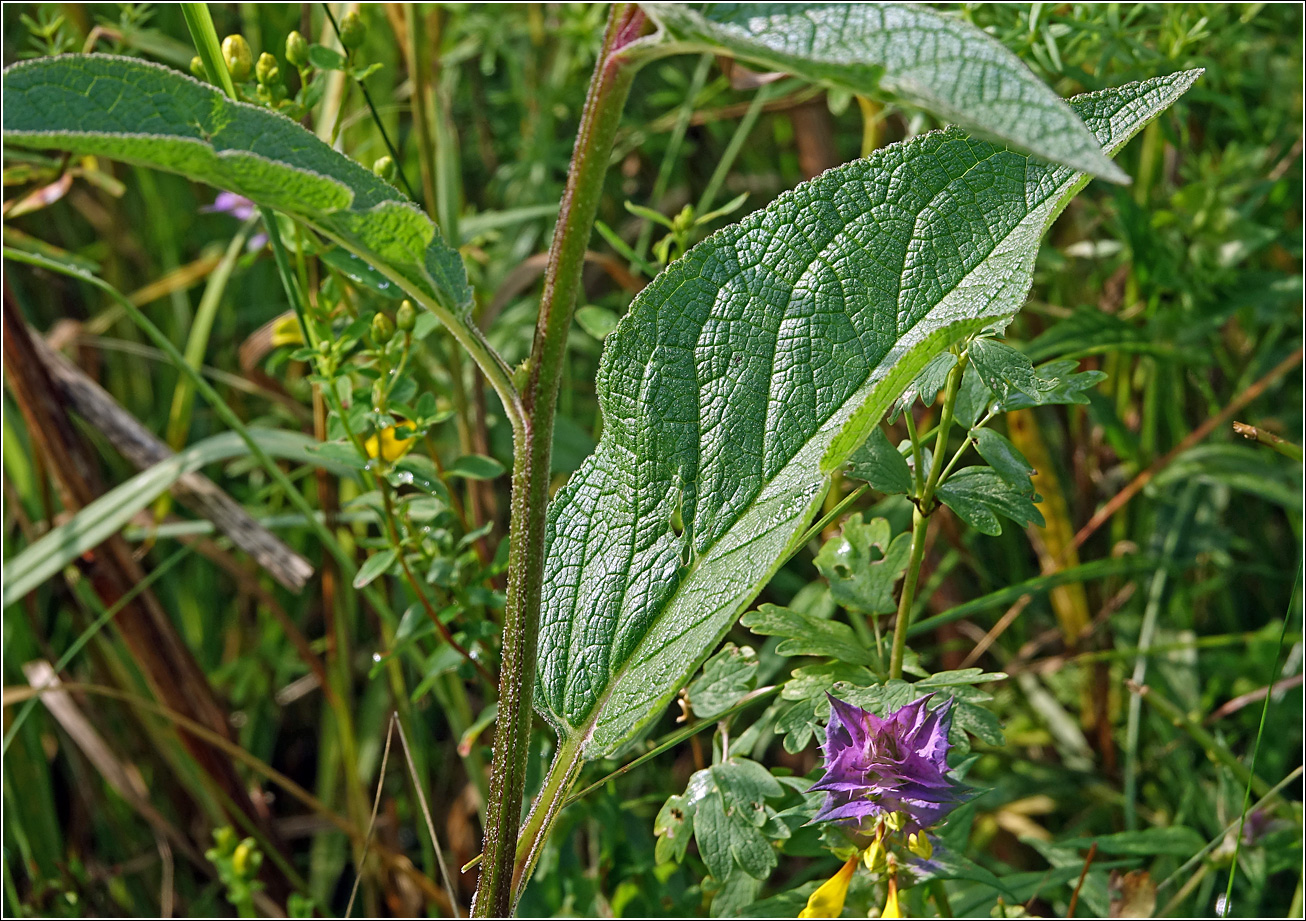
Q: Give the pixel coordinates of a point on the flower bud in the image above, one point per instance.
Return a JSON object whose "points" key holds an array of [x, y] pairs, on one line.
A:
{"points": [[197, 68], [240, 60], [406, 316], [267, 71], [383, 328], [352, 31], [297, 50], [385, 168], [240, 859]]}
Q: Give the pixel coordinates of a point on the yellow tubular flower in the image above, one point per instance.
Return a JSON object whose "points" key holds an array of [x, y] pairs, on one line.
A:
{"points": [[891, 909], [388, 446], [827, 901]]}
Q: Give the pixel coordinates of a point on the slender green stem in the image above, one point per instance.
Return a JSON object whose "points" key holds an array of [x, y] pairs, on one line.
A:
{"points": [[1256, 749], [828, 517], [919, 521], [675, 738], [945, 425], [197, 340], [917, 474], [376, 117], [1151, 615], [924, 505], [1186, 868], [552, 797], [609, 88]]}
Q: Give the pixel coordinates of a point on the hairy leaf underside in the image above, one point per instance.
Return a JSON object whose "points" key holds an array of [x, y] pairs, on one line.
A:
{"points": [[138, 112], [746, 374]]}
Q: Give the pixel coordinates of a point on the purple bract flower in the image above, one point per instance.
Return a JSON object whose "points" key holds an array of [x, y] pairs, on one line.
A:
{"points": [[237, 206], [875, 766], [241, 208]]}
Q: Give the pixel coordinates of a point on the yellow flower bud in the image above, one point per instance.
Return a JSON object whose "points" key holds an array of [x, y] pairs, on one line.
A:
{"points": [[267, 71], [406, 316], [240, 859], [873, 856], [385, 168], [240, 60], [197, 68], [383, 328], [296, 50], [352, 31], [920, 845]]}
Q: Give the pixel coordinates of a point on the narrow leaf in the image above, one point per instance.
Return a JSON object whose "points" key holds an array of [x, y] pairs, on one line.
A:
{"points": [[475, 467], [375, 566]]}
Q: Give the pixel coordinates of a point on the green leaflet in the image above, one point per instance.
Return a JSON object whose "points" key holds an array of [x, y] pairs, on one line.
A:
{"points": [[934, 61], [131, 110], [749, 371]]}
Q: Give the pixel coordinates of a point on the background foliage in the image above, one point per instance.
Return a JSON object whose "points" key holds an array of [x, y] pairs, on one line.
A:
{"points": [[1184, 288]]}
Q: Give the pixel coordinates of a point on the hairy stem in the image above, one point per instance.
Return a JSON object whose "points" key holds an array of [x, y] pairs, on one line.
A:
{"points": [[533, 443]]}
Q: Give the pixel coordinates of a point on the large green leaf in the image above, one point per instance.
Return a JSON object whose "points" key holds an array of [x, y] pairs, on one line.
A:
{"points": [[131, 110], [928, 59], [749, 371]]}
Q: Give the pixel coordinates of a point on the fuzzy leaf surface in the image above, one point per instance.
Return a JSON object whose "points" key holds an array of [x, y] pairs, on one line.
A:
{"points": [[138, 112], [910, 53], [746, 374]]}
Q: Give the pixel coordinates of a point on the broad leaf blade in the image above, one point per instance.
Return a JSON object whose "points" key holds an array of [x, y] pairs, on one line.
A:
{"points": [[749, 371], [142, 113], [915, 54]]}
